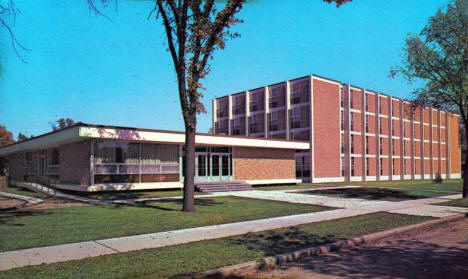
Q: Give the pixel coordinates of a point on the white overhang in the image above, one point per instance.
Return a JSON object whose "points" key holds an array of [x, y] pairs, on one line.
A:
{"points": [[79, 133]]}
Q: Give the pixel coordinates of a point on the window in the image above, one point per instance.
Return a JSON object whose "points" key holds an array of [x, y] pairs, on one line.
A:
{"points": [[352, 120], [342, 98], [253, 102], [367, 166], [352, 144], [381, 166], [274, 97], [253, 124], [295, 118], [342, 121], [393, 167], [367, 145], [351, 100], [380, 106], [367, 123], [367, 102], [342, 144], [393, 147], [273, 117], [380, 125], [380, 146], [296, 93], [55, 157], [352, 166]]}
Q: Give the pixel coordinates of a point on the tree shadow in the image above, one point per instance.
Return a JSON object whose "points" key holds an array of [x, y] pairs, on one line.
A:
{"points": [[155, 204], [366, 193], [13, 217], [402, 259], [274, 242]]}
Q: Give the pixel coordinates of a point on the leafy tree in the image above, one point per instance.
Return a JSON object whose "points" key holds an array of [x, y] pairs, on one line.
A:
{"points": [[195, 29], [6, 137], [438, 57], [21, 137], [62, 123]]}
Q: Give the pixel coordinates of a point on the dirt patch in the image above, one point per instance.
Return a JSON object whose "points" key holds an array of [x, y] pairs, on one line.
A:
{"points": [[437, 252], [6, 202], [51, 202]]}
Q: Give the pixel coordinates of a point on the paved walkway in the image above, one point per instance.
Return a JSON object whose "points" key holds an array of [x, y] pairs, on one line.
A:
{"points": [[350, 207]]}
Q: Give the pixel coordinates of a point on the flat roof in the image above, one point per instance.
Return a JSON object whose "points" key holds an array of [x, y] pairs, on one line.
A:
{"points": [[82, 131]]}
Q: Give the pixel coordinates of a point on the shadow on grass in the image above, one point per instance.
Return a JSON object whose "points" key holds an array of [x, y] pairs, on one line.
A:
{"points": [[12, 217], [157, 204], [273, 243], [403, 259], [366, 193]]}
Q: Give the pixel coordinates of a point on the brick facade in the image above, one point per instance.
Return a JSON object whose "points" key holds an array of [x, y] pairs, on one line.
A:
{"points": [[355, 134], [74, 165], [263, 164]]}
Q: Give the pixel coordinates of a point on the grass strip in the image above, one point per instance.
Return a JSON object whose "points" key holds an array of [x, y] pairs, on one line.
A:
{"points": [[22, 229], [168, 262]]}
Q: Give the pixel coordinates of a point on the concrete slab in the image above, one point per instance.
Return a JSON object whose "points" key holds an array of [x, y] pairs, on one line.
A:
{"points": [[52, 254]]}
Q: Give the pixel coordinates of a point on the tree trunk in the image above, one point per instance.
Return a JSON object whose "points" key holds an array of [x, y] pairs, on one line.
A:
{"points": [[189, 164]]}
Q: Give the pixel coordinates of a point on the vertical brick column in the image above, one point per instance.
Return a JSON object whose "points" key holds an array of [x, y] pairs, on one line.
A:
{"points": [[311, 128], [229, 115], [377, 137], [363, 134], [447, 146], [214, 106], [431, 137], [390, 137], [247, 112], [266, 96], [347, 133], [412, 135], [402, 140], [423, 170], [439, 145]]}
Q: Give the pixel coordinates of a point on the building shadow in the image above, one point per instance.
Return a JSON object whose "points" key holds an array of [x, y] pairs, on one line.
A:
{"points": [[366, 193], [279, 242], [402, 259]]}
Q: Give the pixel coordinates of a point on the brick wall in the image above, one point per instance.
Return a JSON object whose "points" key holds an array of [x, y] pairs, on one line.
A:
{"points": [[263, 163], [74, 163]]}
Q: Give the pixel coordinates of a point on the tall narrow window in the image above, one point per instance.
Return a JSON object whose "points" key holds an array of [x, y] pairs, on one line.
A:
{"points": [[367, 145], [352, 166], [381, 166], [367, 166], [352, 144]]}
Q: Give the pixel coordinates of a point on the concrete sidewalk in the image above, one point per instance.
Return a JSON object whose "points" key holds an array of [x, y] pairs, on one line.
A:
{"points": [[355, 207]]}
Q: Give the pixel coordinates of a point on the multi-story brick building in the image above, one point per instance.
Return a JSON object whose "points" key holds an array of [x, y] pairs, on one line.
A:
{"points": [[355, 134]]}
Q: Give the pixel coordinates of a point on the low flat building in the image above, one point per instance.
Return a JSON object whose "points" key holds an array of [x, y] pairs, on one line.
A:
{"points": [[86, 157]]}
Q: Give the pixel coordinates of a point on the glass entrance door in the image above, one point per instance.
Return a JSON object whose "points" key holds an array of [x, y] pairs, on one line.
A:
{"points": [[212, 167]]}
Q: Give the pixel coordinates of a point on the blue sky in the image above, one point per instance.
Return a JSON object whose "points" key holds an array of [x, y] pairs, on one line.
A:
{"points": [[118, 72]]}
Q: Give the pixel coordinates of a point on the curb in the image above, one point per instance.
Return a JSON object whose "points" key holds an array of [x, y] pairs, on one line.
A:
{"points": [[271, 262]]}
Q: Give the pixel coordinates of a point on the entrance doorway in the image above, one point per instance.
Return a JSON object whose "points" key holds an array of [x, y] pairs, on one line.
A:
{"points": [[213, 164]]}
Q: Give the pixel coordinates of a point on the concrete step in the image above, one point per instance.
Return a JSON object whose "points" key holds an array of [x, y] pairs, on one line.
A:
{"points": [[223, 186]]}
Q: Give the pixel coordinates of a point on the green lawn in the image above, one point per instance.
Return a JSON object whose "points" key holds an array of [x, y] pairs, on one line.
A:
{"points": [[291, 187], [421, 187], [34, 228], [457, 202], [451, 185], [188, 258], [374, 193]]}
